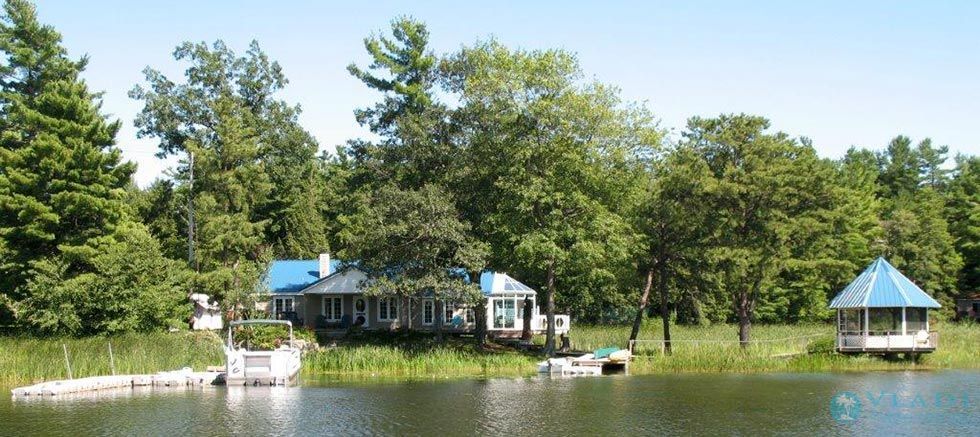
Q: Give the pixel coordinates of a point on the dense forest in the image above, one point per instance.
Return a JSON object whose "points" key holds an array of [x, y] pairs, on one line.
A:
{"points": [[489, 157]]}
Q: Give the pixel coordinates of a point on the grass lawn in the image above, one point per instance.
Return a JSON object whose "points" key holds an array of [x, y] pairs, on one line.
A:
{"points": [[780, 348]]}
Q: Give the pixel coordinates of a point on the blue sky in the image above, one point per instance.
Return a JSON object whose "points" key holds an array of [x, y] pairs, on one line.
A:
{"points": [[841, 73]]}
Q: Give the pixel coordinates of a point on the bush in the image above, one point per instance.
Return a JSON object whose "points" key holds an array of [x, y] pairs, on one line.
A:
{"points": [[269, 337]]}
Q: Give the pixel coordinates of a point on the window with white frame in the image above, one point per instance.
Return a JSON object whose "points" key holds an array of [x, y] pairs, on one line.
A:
{"points": [[428, 312], [281, 305], [504, 313], [449, 313], [332, 308], [387, 309]]}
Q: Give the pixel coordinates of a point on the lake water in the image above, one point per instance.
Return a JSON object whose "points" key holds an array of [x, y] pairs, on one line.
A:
{"points": [[905, 403]]}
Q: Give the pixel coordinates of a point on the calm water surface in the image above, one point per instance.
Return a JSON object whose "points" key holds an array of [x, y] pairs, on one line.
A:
{"points": [[903, 403]]}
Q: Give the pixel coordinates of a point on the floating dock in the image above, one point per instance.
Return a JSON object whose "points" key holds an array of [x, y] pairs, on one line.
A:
{"points": [[177, 378]]}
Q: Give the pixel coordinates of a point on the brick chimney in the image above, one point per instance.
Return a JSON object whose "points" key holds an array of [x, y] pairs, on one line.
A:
{"points": [[324, 265]]}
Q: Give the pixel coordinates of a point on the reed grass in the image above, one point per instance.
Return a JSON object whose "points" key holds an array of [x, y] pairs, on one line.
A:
{"points": [[809, 348], [775, 348], [415, 355], [26, 360]]}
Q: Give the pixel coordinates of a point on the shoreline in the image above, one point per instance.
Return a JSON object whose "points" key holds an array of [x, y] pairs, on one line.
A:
{"points": [[416, 357]]}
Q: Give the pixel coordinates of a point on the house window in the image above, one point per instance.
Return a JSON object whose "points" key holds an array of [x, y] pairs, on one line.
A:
{"points": [[449, 312], [332, 308], [428, 312], [504, 313], [387, 309], [282, 305]]}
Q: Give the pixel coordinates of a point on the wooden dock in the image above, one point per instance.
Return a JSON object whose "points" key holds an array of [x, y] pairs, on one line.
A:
{"points": [[177, 378]]}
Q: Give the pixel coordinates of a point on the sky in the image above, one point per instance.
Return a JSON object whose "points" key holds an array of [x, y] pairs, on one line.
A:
{"points": [[842, 73]]}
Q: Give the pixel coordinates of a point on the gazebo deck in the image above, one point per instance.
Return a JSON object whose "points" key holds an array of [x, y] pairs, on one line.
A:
{"points": [[858, 342]]}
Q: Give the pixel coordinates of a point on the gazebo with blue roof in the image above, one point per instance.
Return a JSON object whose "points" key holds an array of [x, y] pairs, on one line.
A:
{"points": [[882, 311]]}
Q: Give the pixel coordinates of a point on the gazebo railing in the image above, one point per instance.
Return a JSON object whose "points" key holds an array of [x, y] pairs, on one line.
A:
{"points": [[885, 341]]}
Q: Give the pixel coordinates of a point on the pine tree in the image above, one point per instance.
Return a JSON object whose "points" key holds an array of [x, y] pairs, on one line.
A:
{"points": [[257, 186], [61, 180], [963, 215]]}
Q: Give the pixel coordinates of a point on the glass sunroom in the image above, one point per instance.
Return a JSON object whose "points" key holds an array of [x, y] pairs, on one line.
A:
{"points": [[883, 311]]}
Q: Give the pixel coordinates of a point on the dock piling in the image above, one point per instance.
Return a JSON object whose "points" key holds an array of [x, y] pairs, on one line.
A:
{"points": [[67, 363], [112, 361]]}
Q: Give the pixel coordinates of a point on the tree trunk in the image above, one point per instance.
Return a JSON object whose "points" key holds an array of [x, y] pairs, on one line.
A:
{"points": [[440, 307], [664, 302], [744, 320], [407, 313], [642, 307], [549, 340], [191, 224], [480, 313], [527, 312], [481, 323]]}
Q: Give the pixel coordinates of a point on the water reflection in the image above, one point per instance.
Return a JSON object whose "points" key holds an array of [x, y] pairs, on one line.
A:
{"points": [[665, 404]]}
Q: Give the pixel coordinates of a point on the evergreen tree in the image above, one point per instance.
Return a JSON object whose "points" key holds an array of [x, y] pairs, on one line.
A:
{"points": [[162, 208], [963, 215], [760, 183], [673, 218], [415, 148], [220, 118], [61, 181], [917, 242]]}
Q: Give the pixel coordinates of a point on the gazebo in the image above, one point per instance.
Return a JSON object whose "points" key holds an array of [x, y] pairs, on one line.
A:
{"points": [[882, 311]]}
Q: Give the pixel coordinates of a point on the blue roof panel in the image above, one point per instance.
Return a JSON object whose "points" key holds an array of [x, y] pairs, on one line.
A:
{"points": [[881, 285], [293, 275]]}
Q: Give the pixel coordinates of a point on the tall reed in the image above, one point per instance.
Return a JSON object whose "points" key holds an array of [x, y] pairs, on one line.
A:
{"points": [[25, 360]]}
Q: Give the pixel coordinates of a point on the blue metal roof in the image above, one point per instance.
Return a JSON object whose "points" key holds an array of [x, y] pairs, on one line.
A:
{"points": [[882, 285], [293, 275]]}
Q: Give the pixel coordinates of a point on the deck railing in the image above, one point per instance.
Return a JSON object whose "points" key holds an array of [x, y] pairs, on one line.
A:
{"points": [[886, 341], [540, 323]]}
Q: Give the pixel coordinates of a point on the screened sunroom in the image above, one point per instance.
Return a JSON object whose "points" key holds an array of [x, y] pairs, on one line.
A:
{"points": [[883, 311]]}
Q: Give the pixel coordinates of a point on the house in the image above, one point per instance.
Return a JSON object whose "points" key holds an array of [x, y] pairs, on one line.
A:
{"points": [[326, 294], [882, 311], [968, 307]]}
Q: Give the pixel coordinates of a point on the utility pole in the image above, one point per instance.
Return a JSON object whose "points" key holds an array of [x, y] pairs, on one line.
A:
{"points": [[190, 215]]}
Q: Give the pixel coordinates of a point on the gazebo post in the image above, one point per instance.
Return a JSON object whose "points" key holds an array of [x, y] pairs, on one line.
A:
{"points": [[839, 333], [867, 320]]}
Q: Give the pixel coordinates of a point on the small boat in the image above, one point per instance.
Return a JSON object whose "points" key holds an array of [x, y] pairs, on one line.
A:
{"points": [[587, 364], [568, 367], [261, 367]]}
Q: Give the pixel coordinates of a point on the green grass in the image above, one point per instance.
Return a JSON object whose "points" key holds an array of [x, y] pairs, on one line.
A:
{"points": [[25, 360], [415, 355], [807, 348]]}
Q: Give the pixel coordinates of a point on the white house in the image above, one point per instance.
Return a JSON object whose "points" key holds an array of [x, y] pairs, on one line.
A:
{"points": [[326, 294]]}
